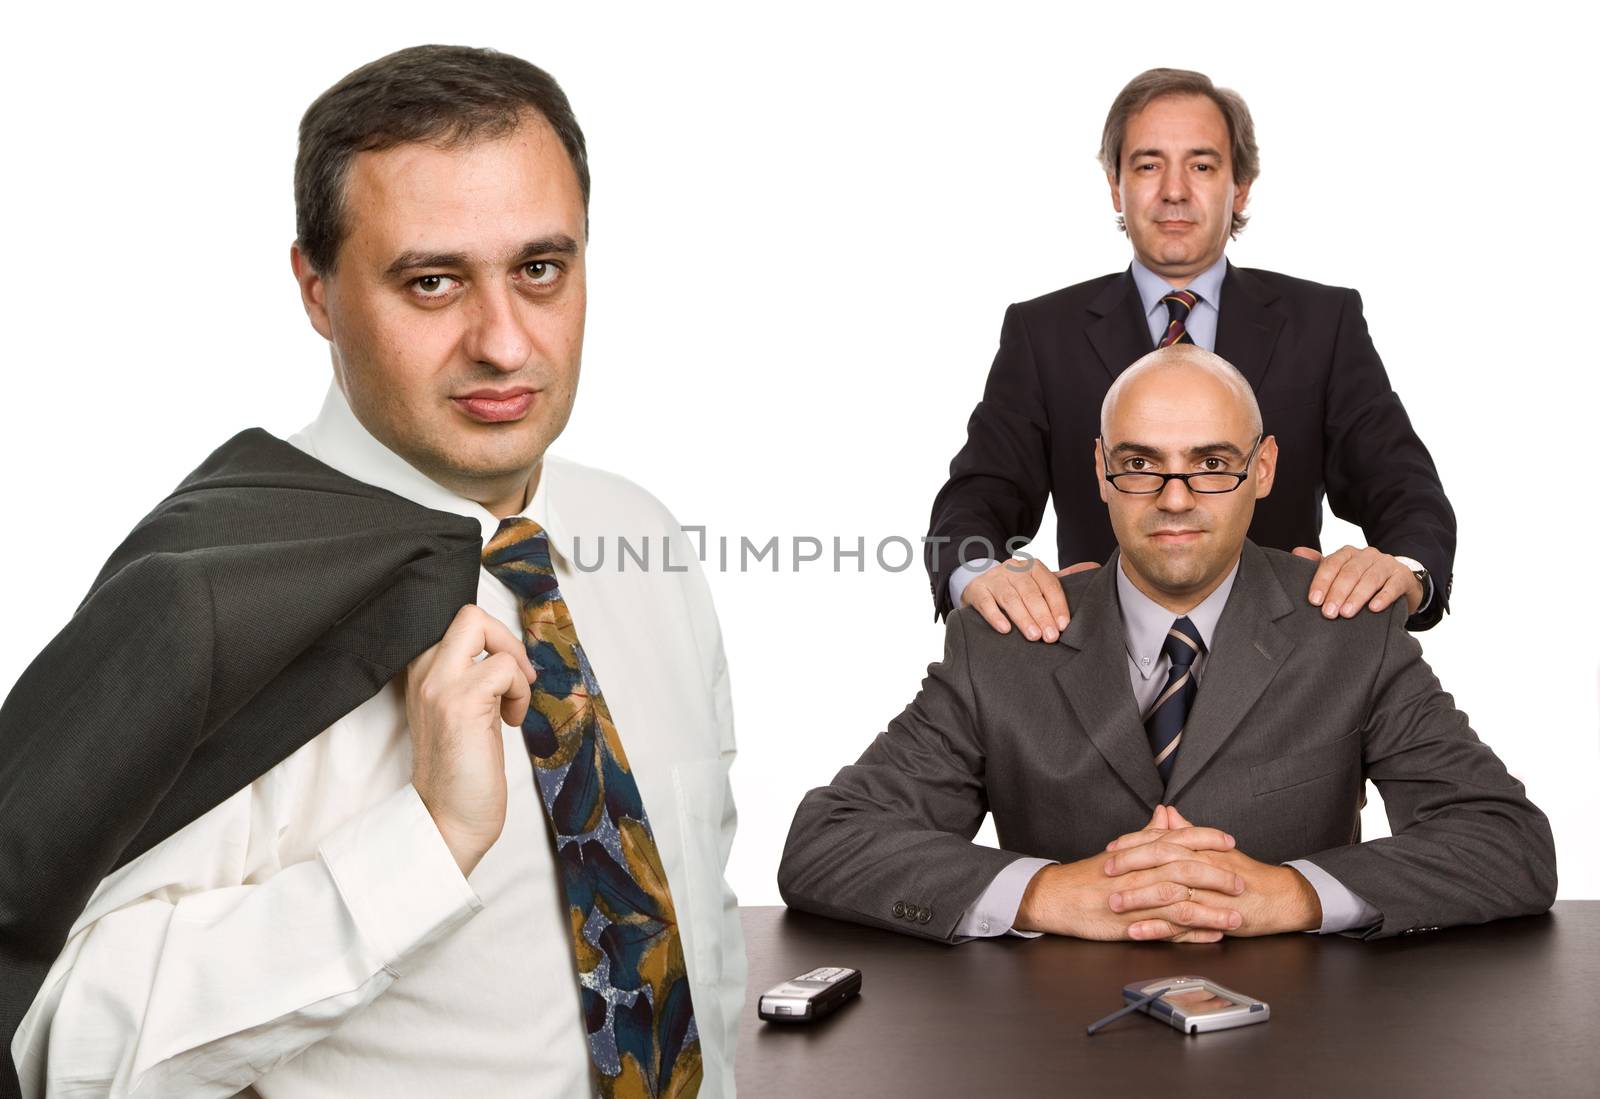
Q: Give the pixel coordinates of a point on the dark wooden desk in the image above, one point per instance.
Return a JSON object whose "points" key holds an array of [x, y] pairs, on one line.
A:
{"points": [[1509, 1008]]}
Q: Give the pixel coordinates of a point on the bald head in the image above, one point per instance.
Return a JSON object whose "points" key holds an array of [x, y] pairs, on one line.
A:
{"points": [[1180, 431], [1181, 368]]}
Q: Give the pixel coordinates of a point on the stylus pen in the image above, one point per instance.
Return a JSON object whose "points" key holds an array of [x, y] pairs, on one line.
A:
{"points": [[1135, 1006]]}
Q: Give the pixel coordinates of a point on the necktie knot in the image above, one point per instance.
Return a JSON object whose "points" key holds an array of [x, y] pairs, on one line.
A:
{"points": [[519, 557], [1183, 643], [1178, 304]]}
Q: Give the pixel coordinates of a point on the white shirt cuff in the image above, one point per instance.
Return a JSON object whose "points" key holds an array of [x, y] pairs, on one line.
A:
{"points": [[398, 878], [1342, 910], [965, 573], [995, 910]]}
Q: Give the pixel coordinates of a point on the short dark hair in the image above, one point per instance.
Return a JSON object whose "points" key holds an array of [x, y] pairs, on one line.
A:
{"points": [[445, 95], [1151, 85]]}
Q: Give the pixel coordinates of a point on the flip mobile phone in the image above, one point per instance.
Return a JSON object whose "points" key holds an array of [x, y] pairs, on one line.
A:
{"points": [[810, 996]]}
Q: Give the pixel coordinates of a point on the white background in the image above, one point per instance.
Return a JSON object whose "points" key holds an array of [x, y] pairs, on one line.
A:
{"points": [[806, 227]]}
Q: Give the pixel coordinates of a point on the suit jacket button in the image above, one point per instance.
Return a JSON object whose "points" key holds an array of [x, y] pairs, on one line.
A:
{"points": [[899, 910], [924, 916]]}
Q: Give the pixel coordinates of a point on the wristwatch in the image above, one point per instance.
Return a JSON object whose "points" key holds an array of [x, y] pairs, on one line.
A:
{"points": [[1416, 568], [1422, 578]]}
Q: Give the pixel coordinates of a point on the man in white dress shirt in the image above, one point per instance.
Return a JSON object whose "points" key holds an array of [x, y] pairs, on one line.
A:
{"points": [[381, 913]]}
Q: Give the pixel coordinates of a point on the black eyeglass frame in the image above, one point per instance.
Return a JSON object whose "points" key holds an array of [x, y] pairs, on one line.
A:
{"points": [[1239, 478]]}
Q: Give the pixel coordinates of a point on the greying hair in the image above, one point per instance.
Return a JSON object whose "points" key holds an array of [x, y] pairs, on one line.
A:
{"points": [[1151, 85], [1185, 355], [445, 95]]}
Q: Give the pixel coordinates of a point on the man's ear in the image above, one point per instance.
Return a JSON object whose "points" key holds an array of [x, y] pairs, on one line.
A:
{"points": [[1241, 197], [1116, 192], [1100, 473], [1266, 466], [313, 292]]}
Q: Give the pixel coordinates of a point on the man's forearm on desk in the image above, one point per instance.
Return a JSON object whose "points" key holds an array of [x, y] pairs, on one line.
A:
{"points": [[1342, 909], [995, 910]]}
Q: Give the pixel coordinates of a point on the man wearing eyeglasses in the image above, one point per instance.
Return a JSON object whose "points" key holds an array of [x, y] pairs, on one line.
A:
{"points": [[1180, 157], [1188, 761]]}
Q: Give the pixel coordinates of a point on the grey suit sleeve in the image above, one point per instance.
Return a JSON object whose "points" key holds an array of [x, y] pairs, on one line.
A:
{"points": [[1468, 846], [890, 838], [1342, 910], [994, 913]]}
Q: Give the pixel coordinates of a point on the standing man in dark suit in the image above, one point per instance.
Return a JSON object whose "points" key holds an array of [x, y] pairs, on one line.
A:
{"points": [[1180, 156], [1193, 674]]}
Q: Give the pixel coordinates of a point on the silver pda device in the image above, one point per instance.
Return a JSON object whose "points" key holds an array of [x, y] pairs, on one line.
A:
{"points": [[1195, 1005]]}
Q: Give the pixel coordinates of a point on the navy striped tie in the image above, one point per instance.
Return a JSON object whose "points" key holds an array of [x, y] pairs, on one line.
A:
{"points": [[1164, 723]]}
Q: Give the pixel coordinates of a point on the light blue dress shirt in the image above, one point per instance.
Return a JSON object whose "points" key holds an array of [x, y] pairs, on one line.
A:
{"points": [[1202, 322]]}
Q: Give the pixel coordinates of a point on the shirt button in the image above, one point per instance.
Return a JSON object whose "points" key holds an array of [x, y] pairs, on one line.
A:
{"points": [[1144, 660], [984, 925]]}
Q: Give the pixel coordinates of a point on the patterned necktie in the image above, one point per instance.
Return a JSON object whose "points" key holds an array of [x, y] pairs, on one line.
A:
{"points": [[1179, 302], [635, 991], [1164, 723]]}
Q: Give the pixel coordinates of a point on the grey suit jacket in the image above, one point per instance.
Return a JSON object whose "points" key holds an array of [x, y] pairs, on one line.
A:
{"points": [[1293, 715]]}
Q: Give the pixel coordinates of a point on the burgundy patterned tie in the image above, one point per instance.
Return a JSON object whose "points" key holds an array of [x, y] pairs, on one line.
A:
{"points": [[1179, 302]]}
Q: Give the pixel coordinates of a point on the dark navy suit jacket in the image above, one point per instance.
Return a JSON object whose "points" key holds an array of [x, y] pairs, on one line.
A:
{"points": [[1324, 394]]}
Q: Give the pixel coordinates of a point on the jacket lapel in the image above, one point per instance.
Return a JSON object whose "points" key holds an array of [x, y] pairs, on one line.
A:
{"points": [[1095, 681], [1119, 334], [1247, 651], [1247, 330]]}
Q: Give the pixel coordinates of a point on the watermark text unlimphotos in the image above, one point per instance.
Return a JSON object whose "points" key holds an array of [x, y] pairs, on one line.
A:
{"points": [[780, 553]]}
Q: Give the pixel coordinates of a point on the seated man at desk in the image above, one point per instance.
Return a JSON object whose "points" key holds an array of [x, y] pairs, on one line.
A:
{"points": [[1189, 760]]}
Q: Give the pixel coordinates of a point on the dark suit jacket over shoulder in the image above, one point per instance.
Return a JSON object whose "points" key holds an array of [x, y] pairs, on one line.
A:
{"points": [[1294, 713], [264, 599], [1324, 394]]}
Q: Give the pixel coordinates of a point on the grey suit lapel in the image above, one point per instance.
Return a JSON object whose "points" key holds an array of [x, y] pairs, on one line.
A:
{"points": [[1095, 681], [1247, 651], [1119, 335]]}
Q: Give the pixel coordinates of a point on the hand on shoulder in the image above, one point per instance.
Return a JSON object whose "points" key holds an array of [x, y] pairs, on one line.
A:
{"points": [[1026, 593]]}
